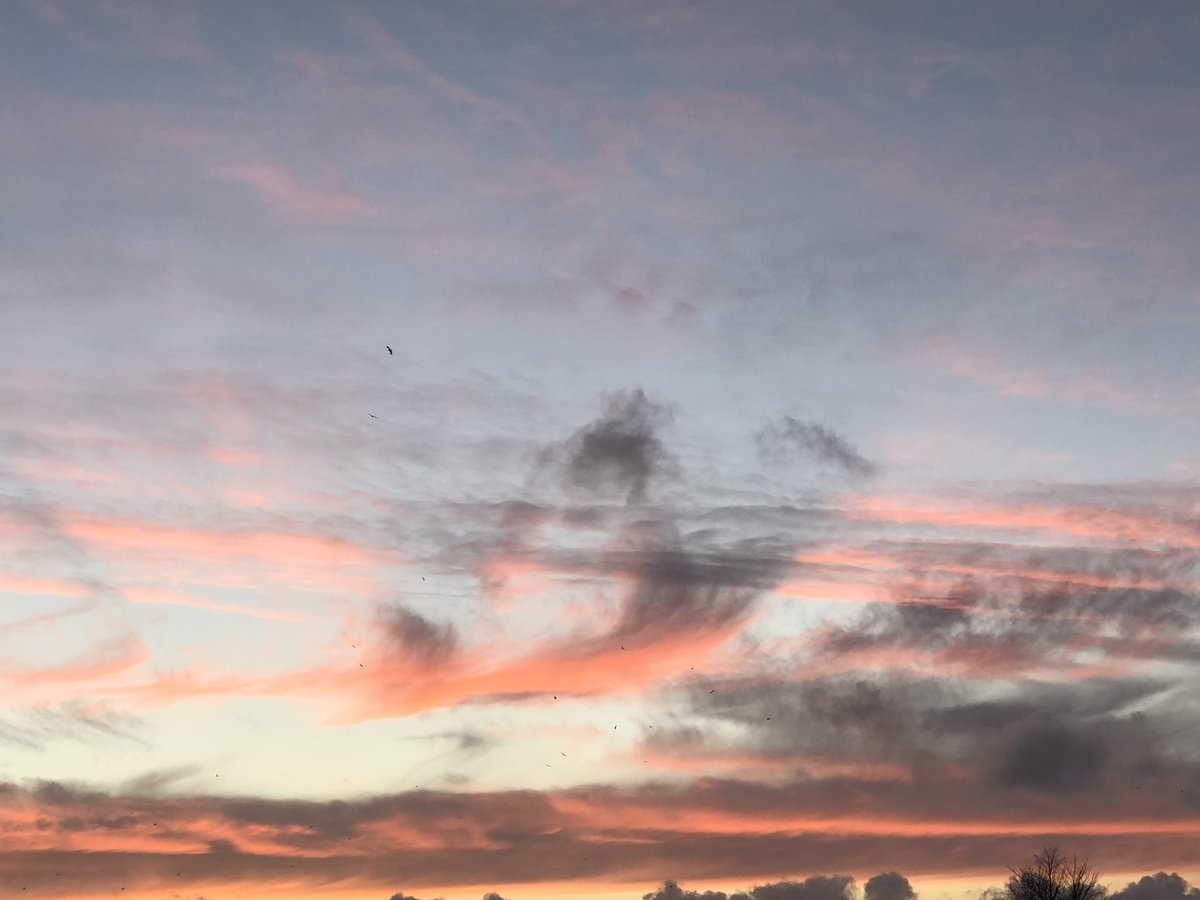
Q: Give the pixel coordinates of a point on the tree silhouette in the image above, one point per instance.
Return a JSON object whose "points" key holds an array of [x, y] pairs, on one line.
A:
{"points": [[1051, 876]]}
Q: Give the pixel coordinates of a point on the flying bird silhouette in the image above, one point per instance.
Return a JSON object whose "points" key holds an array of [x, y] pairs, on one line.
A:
{"points": [[391, 352]]}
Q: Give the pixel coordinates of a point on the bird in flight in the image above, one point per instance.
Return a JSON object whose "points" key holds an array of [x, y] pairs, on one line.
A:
{"points": [[391, 352], [372, 415]]}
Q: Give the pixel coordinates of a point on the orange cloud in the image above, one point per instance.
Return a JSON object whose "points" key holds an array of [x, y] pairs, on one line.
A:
{"points": [[566, 668]]}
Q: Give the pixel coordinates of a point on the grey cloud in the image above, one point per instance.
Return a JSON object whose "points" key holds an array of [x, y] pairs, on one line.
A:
{"points": [[465, 742], [777, 441], [620, 451], [108, 823], [34, 729], [679, 591], [57, 793], [818, 887], [469, 740], [888, 886], [673, 584], [671, 890], [1159, 886], [410, 635], [1014, 624], [852, 718], [1039, 740], [1134, 609], [19, 736], [1050, 756], [523, 825], [156, 782]]}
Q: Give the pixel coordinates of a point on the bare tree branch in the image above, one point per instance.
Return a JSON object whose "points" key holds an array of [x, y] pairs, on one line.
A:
{"points": [[1051, 876]]}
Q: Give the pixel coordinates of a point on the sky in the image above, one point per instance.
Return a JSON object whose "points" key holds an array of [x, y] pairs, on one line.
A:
{"points": [[592, 450]]}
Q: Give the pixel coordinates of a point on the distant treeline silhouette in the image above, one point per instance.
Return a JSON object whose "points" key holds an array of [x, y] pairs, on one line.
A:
{"points": [[1048, 876]]}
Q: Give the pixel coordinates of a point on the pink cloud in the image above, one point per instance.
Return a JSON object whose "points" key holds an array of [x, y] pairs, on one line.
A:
{"points": [[155, 597], [108, 658], [298, 203], [1065, 521], [980, 366], [291, 550]]}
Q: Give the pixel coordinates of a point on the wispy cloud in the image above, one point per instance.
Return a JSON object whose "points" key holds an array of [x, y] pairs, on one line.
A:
{"points": [[123, 28], [316, 470], [297, 203], [779, 440]]}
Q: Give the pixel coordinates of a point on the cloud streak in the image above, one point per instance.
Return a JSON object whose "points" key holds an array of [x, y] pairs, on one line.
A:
{"points": [[779, 440], [427, 837]]}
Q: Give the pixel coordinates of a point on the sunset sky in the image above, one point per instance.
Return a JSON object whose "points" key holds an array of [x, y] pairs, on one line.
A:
{"points": [[786, 468]]}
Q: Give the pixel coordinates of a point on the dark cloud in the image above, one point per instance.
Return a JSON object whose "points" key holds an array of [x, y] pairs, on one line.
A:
{"points": [[532, 837], [670, 890], [466, 741], [777, 441], [492, 896], [854, 719], [1047, 755], [1159, 886], [1013, 624], [671, 584], [1064, 565], [1027, 742], [410, 636], [678, 591], [888, 886], [818, 887], [110, 823], [156, 782], [620, 451]]}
